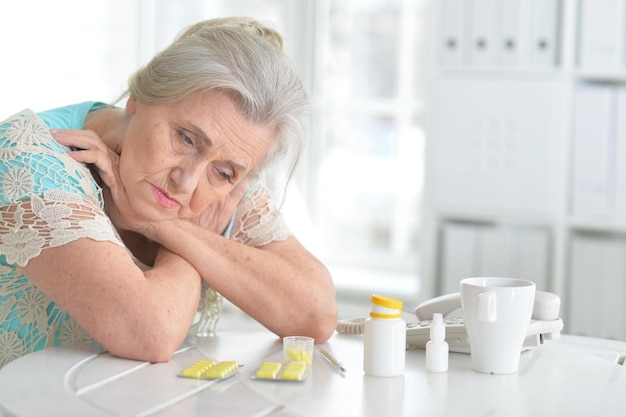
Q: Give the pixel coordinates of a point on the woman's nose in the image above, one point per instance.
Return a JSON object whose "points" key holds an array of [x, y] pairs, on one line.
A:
{"points": [[187, 177]]}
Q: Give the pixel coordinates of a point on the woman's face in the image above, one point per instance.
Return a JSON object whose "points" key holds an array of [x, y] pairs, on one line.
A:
{"points": [[177, 159]]}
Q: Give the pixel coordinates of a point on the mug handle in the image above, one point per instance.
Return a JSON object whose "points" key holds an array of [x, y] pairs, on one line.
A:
{"points": [[487, 306]]}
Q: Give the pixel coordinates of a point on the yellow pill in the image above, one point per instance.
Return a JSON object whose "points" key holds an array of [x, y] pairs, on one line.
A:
{"points": [[294, 354], [229, 365], [221, 370], [204, 368], [268, 370], [268, 373], [192, 372], [306, 358], [271, 365], [215, 373], [296, 365], [294, 371]]}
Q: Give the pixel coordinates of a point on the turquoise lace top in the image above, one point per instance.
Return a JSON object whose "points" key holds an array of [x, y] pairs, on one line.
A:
{"points": [[46, 200]]}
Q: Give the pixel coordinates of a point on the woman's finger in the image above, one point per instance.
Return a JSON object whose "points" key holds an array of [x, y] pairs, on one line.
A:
{"points": [[88, 148], [81, 139]]}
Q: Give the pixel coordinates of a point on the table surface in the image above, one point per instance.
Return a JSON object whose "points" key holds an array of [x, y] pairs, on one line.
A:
{"points": [[571, 376]]}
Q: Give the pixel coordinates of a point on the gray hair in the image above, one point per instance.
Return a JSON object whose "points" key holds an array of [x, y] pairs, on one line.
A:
{"points": [[243, 58]]}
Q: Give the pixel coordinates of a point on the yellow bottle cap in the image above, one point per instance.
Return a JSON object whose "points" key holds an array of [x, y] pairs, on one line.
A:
{"points": [[385, 301]]}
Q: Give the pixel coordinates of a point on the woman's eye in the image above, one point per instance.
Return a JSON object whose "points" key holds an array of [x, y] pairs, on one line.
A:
{"points": [[226, 176], [223, 172], [186, 138]]}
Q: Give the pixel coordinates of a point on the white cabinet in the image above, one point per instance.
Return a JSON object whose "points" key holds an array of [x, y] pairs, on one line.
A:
{"points": [[597, 286], [475, 249], [498, 144], [526, 152], [601, 34]]}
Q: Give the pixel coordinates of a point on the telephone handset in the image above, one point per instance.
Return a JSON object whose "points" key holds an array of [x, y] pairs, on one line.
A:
{"points": [[545, 323], [546, 306]]}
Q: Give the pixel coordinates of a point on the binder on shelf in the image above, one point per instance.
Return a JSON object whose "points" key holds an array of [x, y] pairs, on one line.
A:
{"points": [[584, 278], [543, 24], [515, 252], [601, 38], [499, 33], [476, 249], [496, 250], [597, 287], [453, 41], [610, 289], [481, 45], [620, 156], [594, 112], [459, 257], [510, 37], [532, 256]]}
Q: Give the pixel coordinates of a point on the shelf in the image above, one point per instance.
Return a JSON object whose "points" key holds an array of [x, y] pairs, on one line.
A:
{"points": [[495, 218], [606, 227], [557, 73], [534, 74], [612, 77]]}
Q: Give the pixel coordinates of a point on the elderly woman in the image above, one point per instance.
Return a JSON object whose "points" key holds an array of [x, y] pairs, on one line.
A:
{"points": [[111, 218]]}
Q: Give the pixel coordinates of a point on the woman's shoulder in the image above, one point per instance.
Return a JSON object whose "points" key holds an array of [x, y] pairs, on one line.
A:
{"points": [[24, 130], [31, 161], [69, 117], [29, 128]]}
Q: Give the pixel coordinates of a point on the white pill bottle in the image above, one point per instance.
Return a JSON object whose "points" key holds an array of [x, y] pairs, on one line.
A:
{"points": [[384, 348]]}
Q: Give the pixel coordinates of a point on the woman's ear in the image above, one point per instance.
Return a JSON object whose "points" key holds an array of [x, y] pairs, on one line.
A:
{"points": [[131, 105]]}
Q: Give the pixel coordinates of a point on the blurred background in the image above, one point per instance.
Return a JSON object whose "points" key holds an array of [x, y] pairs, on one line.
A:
{"points": [[356, 200], [450, 138]]}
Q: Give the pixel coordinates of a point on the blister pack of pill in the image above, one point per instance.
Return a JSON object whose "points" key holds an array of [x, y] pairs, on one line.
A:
{"points": [[208, 369], [275, 371]]}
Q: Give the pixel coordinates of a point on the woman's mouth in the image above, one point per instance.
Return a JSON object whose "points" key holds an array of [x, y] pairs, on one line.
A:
{"points": [[163, 198]]}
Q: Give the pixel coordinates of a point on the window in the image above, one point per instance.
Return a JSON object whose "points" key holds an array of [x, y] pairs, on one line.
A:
{"points": [[367, 146], [356, 202], [59, 52]]}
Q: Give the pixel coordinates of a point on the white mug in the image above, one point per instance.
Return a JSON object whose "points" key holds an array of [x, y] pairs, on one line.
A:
{"points": [[497, 314]]}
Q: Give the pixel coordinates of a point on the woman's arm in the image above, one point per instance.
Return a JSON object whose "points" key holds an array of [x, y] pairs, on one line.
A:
{"points": [[280, 284], [132, 314]]}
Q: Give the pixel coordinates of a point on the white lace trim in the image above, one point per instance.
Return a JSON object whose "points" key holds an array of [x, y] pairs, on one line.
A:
{"points": [[257, 220], [31, 222], [30, 226]]}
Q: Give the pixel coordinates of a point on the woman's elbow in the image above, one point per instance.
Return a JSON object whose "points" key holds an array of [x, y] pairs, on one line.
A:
{"points": [[326, 328], [318, 323], [325, 317], [156, 348], [324, 324], [154, 353]]}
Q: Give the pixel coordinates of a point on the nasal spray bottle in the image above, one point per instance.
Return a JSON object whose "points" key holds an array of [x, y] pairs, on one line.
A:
{"points": [[384, 331], [437, 348]]}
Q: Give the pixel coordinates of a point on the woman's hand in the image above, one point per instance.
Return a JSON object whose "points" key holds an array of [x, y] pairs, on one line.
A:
{"points": [[87, 147], [217, 216]]}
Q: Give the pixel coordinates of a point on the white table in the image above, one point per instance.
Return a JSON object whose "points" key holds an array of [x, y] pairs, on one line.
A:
{"points": [[571, 377]]}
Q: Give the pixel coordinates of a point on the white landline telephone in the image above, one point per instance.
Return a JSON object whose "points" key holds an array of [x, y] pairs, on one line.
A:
{"points": [[545, 323]]}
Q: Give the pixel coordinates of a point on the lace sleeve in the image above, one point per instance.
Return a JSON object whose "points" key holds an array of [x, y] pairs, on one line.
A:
{"points": [[257, 220], [46, 198]]}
